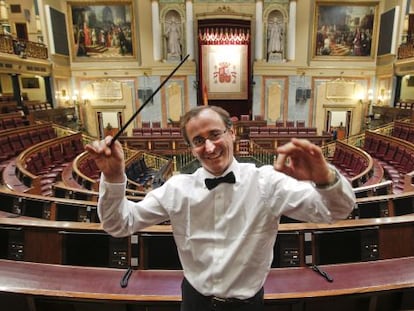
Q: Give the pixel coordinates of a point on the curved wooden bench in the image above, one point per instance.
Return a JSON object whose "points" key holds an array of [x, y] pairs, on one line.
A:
{"points": [[46, 208], [11, 151], [357, 176], [31, 179], [299, 241], [84, 180], [62, 190], [403, 130], [381, 188], [391, 165], [12, 120], [353, 284]]}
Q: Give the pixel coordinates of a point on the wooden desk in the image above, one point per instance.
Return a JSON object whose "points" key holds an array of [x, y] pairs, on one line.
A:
{"points": [[242, 127], [357, 282]]}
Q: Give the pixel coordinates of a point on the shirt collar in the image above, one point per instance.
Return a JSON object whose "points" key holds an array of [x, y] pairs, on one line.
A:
{"points": [[234, 166]]}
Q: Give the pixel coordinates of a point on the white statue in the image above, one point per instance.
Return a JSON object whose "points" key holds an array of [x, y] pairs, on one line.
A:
{"points": [[173, 35], [275, 34]]}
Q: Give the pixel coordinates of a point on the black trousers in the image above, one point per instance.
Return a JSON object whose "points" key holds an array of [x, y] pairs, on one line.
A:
{"points": [[192, 300]]}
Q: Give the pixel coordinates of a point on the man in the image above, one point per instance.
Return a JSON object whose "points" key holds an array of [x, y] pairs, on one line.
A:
{"points": [[224, 232]]}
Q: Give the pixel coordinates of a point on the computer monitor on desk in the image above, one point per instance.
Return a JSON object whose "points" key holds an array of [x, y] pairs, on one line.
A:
{"points": [[159, 252], [11, 243], [36, 208], [10, 203], [68, 211], [403, 206], [286, 251], [94, 249], [346, 245], [372, 209]]}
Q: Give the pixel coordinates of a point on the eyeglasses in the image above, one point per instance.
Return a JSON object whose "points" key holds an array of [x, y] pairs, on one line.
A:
{"points": [[215, 135]]}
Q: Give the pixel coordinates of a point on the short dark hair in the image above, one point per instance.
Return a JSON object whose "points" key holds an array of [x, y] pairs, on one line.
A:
{"points": [[224, 115]]}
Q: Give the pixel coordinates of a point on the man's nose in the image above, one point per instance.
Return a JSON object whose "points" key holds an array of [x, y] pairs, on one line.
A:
{"points": [[209, 145]]}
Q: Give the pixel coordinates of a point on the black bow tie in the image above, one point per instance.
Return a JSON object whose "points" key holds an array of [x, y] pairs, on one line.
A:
{"points": [[211, 183]]}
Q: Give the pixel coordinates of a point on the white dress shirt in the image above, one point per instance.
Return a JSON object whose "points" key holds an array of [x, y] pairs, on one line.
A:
{"points": [[225, 236]]}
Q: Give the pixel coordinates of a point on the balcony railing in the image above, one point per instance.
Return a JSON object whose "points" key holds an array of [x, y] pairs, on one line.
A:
{"points": [[406, 50], [22, 47]]}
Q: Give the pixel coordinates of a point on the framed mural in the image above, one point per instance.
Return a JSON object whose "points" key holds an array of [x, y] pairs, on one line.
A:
{"points": [[344, 29], [225, 71], [30, 83], [102, 30]]}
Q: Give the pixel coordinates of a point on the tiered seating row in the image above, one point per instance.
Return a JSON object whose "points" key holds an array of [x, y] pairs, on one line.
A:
{"points": [[162, 145], [8, 106], [12, 120], [62, 190], [157, 131], [37, 105], [270, 137], [82, 172], [403, 130], [404, 105], [275, 131], [354, 163], [41, 165], [169, 140], [394, 154], [278, 123], [139, 172], [13, 141]]}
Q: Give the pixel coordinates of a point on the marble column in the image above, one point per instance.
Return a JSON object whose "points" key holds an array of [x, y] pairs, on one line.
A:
{"points": [[291, 31], [189, 29], [156, 30], [259, 30]]}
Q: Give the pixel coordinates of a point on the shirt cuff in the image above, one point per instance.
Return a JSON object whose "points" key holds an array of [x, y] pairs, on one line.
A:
{"points": [[330, 184], [112, 189]]}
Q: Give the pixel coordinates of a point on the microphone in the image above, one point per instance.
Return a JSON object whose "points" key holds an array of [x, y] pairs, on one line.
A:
{"points": [[323, 273], [146, 102], [125, 278]]}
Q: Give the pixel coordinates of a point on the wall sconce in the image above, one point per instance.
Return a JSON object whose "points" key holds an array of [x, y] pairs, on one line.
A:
{"points": [[86, 97], [365, 100], [145, 94], [303, 94], [370, 98], [66, 99]]}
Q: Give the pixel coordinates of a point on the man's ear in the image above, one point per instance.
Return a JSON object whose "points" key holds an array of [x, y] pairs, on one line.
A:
{"points": [[193, 152], [233, 134]]}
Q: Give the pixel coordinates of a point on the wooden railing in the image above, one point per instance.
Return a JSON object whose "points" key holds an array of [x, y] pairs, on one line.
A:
{"points": [[22, 48], [405, 50]]}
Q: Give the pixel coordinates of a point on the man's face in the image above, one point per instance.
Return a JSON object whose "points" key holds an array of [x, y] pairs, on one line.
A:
{"points": [[211, 141]]}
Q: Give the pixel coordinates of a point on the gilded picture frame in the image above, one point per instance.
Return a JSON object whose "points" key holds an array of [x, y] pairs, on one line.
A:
{"points": [[344, 30], [102, 30], [225, 71]]}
